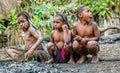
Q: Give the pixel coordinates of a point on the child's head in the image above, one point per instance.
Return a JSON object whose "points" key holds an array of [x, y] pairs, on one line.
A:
{"points": [[23, 20], [84, 13], [59, 20]]}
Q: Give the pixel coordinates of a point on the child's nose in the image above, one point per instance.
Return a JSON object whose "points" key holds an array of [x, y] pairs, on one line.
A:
{"points": [[90, 13], [21, 24], [55, 24]]}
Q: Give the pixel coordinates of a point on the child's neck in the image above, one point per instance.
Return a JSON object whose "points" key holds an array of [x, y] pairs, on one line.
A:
{"points": [[25, 30], [84, 22], [60, 30]]}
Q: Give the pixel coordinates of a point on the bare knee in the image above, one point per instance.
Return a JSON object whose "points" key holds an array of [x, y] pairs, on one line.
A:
{"points": [[50, 45], [92, 47], [76, 45], [10, 51]]}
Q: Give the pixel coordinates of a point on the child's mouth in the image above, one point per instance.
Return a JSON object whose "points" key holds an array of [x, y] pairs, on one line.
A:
{"points": [[91, 17]]}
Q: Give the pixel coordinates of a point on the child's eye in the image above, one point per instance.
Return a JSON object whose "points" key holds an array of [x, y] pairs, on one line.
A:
{"points": [[57, 22], [22, 21], [88, 10]]}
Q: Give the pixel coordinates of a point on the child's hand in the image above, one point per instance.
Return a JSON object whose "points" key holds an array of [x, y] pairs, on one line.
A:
{"points": [[29, 53], [64, 27], [84, 40], [78, 38]]}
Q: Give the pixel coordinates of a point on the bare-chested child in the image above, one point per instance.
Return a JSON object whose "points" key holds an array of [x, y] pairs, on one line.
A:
{"points": [[86, 35], [32, 38], [60, 41]]}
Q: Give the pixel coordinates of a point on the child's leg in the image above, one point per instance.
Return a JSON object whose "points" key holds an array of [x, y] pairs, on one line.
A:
{"points": [[93, 49], [69, 50], [78, 48], [51, 51], [41, 55], [14, 54]]}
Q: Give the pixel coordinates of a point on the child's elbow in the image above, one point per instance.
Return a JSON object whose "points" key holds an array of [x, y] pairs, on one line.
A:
{"points": [[98, 38], [40, 39]]}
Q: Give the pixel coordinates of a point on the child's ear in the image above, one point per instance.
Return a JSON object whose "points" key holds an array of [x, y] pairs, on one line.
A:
{"points": [[80, 15]]}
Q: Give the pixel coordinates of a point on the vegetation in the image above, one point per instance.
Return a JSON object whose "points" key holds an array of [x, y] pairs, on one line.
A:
{"points": [[42, 11]]}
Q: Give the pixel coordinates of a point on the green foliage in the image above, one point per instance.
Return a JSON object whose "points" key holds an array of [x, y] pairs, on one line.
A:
{"points": [[43, 16], [102, 8], [12, 20], [2, 27], [43, 11]]}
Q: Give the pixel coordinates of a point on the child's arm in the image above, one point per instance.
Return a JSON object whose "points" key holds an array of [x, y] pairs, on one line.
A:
{"points": [[37, 43], [75, 34], [51, 36], [66, 34], [67, 37], [74, 30], [96, 34]]}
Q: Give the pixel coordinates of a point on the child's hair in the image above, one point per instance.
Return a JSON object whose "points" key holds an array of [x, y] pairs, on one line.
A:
{"points": [[64, 19], [79, 10], [27, 17]]}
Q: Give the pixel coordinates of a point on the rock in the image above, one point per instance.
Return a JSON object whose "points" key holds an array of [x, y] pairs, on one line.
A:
{"points": [[110, 38], [6, 6], [110, 51]]}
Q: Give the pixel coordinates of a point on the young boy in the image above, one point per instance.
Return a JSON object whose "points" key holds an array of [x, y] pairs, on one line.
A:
{"points": [[60, 44], [32, 38], [86, 35]]}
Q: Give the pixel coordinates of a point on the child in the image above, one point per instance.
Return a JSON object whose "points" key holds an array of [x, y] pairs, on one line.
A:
{"points": [[60, 41], [32, 38], [86, 35]]}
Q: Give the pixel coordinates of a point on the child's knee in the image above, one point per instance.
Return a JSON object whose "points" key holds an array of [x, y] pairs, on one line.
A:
{"points": [[92, 47], [75, 45], [91, 44], [50, 45], [9, 51]]}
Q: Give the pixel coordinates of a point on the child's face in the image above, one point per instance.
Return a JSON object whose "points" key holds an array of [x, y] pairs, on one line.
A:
{"points": [[57, 22], [23, 23], [86, 14]]}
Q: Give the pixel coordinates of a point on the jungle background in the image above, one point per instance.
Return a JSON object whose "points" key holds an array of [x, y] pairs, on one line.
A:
{"points": [[105, 12]]}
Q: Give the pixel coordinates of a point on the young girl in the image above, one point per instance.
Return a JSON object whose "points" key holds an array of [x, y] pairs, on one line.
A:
{"points": [[32, 38], [60, 45], [87, 35]]}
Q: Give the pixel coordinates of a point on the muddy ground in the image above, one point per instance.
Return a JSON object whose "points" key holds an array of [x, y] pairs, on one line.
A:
{"points": [[109, 63]]}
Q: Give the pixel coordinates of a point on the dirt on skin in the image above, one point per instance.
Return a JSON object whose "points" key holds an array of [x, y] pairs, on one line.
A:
{"points": [[109, 63]]}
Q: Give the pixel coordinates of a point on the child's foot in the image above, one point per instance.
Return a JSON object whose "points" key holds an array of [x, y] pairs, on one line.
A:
{"points": [[71, 61], [82, 59], [5, 59], [50, 61], [94, 59]]}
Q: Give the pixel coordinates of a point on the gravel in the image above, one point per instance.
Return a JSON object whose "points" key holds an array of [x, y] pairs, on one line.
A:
{"points": [[109, 63]]}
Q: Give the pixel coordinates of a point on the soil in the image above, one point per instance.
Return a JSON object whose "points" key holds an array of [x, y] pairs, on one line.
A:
{"points": [[109, 63]]}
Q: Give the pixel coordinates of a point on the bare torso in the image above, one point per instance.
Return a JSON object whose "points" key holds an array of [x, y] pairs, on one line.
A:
{"points": [[58, 38], [29, 40], [85, 31]]}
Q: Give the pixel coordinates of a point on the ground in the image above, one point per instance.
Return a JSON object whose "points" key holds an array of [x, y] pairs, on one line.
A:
{"points": [[109, 63]]}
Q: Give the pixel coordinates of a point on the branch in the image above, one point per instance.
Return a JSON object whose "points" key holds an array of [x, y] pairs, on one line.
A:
{"points": [[105, 29]]}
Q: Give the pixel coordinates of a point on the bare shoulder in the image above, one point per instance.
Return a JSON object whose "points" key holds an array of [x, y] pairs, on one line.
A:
{"points": [[31, 29], [75, 25], [52, 32], [94, 24], [70, 31]]}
